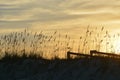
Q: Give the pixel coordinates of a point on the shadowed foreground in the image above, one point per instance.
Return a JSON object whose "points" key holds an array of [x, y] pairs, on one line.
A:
{"points": [[33, 68]]}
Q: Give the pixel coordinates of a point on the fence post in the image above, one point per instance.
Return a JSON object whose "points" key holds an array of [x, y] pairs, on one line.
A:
{"points": [[68, 55], [92, 52]]}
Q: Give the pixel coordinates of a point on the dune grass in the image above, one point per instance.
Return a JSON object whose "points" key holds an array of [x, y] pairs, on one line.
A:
{"points": [[55, 44]]}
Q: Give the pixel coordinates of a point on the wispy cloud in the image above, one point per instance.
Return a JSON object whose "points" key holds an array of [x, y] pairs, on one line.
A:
{"points": [[22, 13]]}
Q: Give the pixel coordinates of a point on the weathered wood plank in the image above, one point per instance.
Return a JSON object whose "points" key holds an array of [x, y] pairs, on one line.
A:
{"points": [[78, 54], [97, 53]]}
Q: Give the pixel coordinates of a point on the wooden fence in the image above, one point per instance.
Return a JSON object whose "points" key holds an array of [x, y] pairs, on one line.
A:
{"points": [[94, 53]]}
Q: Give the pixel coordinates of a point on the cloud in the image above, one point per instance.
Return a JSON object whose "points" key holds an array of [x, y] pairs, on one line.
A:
{"points": [[14, 24], [27, 12], [88, 4], [15, 2]]}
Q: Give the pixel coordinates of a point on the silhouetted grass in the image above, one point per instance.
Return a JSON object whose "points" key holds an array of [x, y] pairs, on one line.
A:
{"points": [[25, 55], [31, 67], [55, 44]]}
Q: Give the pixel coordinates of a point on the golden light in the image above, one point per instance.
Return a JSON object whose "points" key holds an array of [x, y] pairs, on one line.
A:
{"points": [[117, 46]]}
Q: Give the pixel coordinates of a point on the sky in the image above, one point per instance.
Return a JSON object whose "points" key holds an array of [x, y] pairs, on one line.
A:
{"points": [[66, 16], [58, 14]]}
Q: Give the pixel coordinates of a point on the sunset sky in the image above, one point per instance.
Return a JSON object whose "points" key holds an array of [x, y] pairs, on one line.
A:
{"points": [[58, 14]]}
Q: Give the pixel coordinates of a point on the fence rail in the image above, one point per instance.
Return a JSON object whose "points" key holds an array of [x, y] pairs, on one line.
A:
{"points": [[94, 53]]}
